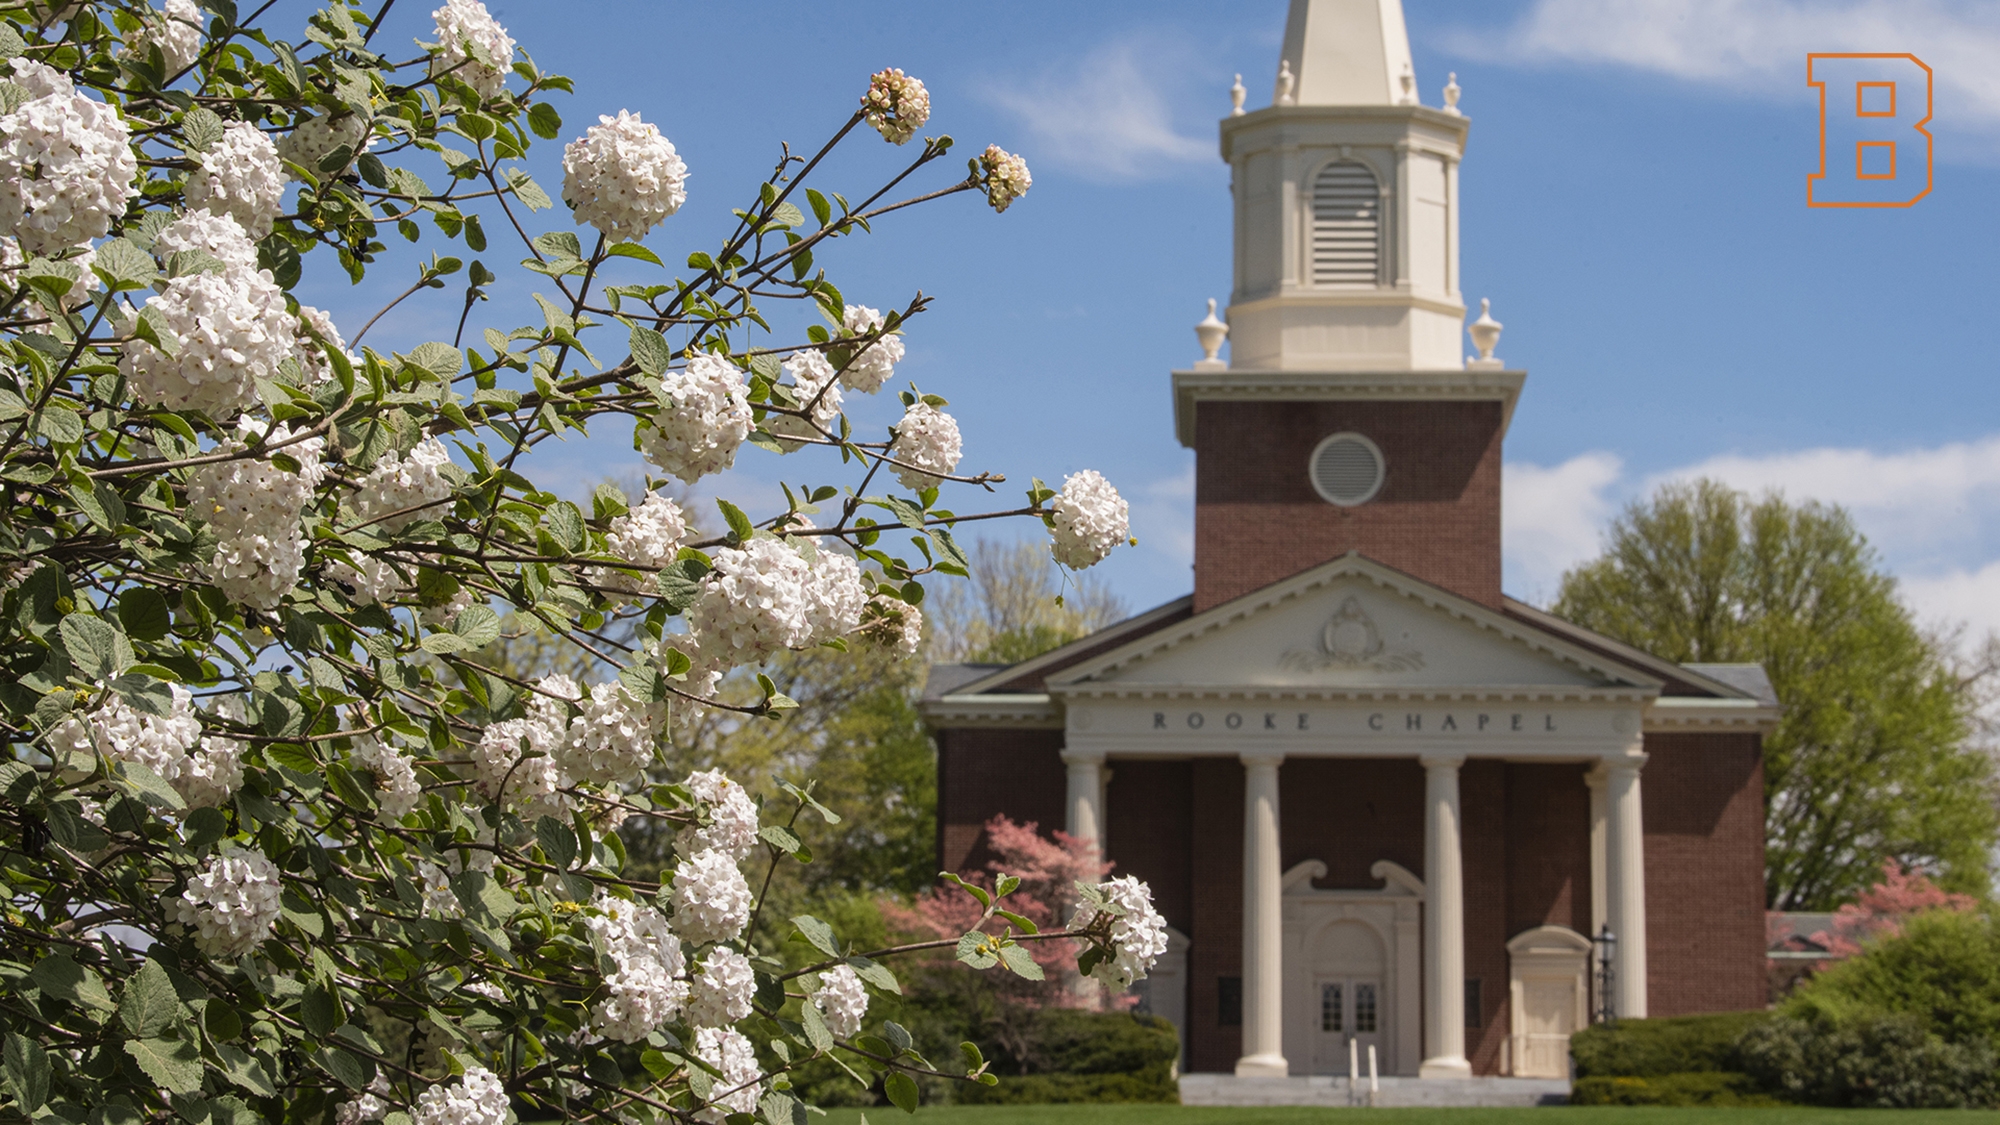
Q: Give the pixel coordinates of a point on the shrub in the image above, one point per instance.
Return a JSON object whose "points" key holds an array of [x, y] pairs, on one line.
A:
{"points": [[1640, 1048], [1702, 1087], [1080, 1056], [1943, 970], [1884, 1061]]}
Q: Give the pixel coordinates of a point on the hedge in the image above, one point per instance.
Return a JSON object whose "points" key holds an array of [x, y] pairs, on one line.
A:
{"points": [[1707, 1087], [1635, 1048]]}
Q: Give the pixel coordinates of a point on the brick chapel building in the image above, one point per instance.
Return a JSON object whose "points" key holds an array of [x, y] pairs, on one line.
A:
{"points": [[1376, 799]]}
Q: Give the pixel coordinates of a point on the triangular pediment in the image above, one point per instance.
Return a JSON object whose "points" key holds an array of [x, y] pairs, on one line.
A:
{"points": [[1352, 624]]}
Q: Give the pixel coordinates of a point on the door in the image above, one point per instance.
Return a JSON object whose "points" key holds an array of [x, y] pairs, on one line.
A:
{"points": [[1350, 1009], [1548, 1020]]}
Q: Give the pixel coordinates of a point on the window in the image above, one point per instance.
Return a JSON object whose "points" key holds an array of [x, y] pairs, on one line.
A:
{"points": [[1472, 1009], [1347, 226], [1229, 1001], [1329, 1008], [1364, 1008], [1346, 470]]}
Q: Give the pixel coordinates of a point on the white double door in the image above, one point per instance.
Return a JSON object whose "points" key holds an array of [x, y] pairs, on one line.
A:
{"points": [[1351, 1010]]}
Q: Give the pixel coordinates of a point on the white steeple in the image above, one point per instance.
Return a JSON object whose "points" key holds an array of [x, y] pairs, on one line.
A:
{"points": [[1347, 52]]}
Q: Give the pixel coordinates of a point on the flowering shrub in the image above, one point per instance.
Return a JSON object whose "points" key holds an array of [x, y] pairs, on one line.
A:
{"points": [[280, 838], [1881, 910]]}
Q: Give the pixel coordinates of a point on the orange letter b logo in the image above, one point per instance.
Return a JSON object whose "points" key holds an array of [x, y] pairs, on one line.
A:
{"points": [[1873, 148]]}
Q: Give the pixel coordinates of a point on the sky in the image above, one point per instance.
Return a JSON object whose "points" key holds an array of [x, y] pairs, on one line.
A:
{"points": [[1633, 205]]}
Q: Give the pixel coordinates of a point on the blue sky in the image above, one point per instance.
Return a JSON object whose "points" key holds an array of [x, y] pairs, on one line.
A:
{"points": [[1634, 205]]}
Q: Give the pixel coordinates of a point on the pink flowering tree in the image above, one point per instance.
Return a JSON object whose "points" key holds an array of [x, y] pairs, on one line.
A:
{"points": [[1879, 912], [281, 838]]}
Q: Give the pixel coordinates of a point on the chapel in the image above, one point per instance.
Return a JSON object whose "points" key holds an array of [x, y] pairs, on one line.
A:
{"points": [[1380, 803]]}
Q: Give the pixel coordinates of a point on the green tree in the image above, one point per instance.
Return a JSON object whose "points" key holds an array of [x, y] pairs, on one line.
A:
{"points": [[1874, 758], [1015, 605]]}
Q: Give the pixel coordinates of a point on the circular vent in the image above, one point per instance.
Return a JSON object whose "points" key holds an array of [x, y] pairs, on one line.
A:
{"points": [[1347, 470]]}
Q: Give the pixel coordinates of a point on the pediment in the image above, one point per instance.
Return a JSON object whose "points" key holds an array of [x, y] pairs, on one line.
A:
{"points": [[1350, 625]]}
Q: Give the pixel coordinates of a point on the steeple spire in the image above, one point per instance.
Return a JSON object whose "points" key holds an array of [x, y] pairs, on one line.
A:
{"points": [[1348, 52]]}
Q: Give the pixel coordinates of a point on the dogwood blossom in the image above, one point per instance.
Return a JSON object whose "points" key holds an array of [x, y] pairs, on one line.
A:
{"points": [[478, 1099], [896, 104], [842, 999], [721, 993], [212, 773], [240, 177], [623, 177], [1087, 520], [732, 826], [753, 603], [612, 740], [647, 536], [158, 742], [473, 47], [218, 235], [646, 991], [1007, 177], [730, 1052], [711, 898], [232, 904], [229, 329], [253, 507], [66, 163], [704, 416], [834, 596], [404, 488], [176, 32], [927, 446], [876, 363], [1138, 934], [814, 391]]}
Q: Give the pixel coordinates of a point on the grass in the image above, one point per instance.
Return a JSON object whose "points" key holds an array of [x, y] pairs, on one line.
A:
{"points": [[1301, 1115]]}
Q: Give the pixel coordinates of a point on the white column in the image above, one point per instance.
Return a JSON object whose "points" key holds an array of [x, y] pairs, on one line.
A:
{"points": [[1444, 924], [1263, 923], [1626, 875], [1086, 795], [1600, 906]]}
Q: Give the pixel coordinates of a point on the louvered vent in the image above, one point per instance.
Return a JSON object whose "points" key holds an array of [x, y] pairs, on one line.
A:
{"points": [[1347, 470], [1347, 226]]}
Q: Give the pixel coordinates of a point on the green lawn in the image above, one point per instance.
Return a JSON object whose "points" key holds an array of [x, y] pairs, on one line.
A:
{"points": [[1554, 1115]]}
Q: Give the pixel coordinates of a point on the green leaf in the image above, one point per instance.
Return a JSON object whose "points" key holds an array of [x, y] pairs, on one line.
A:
{"points": [[545, 121], [739, 524], [651, 351], [91, 644], [527, 191], [817, 1033], [149, 1004], [902, 1090], [557, 841], [319, 1011], [202, 128], [353, 1071], [899, 1036], [1018, 960], [59, 424], [1020, 923], [608, 502], [144, 613], [151, 787], [634, 250], [974, 948], [818, 933], [440, 359], [787, 214], [59, 976], [782, 838], [122, 265], [478, 625], [565, 523], [27, 1068], [101, 503], [243, 1068], [443, 643], [172, 1063], [875, 974], [973, 889]]}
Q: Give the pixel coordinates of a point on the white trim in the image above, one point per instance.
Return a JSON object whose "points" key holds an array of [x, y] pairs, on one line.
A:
{"points": [[958, 712], [1671, 713]]}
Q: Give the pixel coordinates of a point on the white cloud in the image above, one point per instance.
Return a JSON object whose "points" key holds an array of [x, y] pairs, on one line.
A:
{"points": [[1926, 511], [1105, 115], [1758, 46]]}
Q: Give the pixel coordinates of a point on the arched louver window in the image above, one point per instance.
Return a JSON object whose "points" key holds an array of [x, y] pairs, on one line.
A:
{"points": [[1347, 226]]}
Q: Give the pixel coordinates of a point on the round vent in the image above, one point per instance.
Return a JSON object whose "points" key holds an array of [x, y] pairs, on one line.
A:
{"points": [[1347, 470]]}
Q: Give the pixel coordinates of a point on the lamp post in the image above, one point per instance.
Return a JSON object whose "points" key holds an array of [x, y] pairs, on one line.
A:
{"points": [[1607, 955]]}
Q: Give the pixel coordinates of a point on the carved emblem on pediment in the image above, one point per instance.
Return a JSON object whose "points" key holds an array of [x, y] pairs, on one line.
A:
{"points": [[1350, 639]]}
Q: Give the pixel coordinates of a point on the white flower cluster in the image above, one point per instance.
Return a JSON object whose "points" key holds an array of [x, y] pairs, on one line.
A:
{"points": [[765, 597], [740, 1087], [66, 164], [253, 507], [893, 625], [612, 740], [369, 1106], [473, 47], [439, 900], [732, 826], [648, 536], [623, 177], [534, 784], [813, 390], [232, 904], [240, 177], [1087, 519], [1138, 935], [212, 773], [316, 138], [711, 898], [877, 362], [1007, 177], [648, 988], [397, 789], [721, 993], [896, 105], [230, 329], [219, 235], [842, 999], [11, 261], [927, 446], [480, 1099], [176, 32], [313, 363], [704, 414], [411, 486], [204, 771]]}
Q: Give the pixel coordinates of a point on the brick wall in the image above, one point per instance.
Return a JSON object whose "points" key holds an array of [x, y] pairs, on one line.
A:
{"points": [[1147, 833], [1484, 853], [984, 773], [1703, 798], [1258, 520], [1217, 869]]}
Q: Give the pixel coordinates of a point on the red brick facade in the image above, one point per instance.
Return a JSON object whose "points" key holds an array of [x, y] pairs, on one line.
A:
{"points": [[1704, 813], [1257, 519]]}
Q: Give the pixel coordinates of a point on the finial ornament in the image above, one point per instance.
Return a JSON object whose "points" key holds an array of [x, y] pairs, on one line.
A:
{"points": [[1485, 333], [1283, 94], [1409, 79], [1211, 332], [1236, 95], [1451, 95]]}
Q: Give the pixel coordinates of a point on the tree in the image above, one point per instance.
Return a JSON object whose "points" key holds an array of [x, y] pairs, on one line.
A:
{"points": [[1873, 759], [287, 834], [1016, 604]]}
